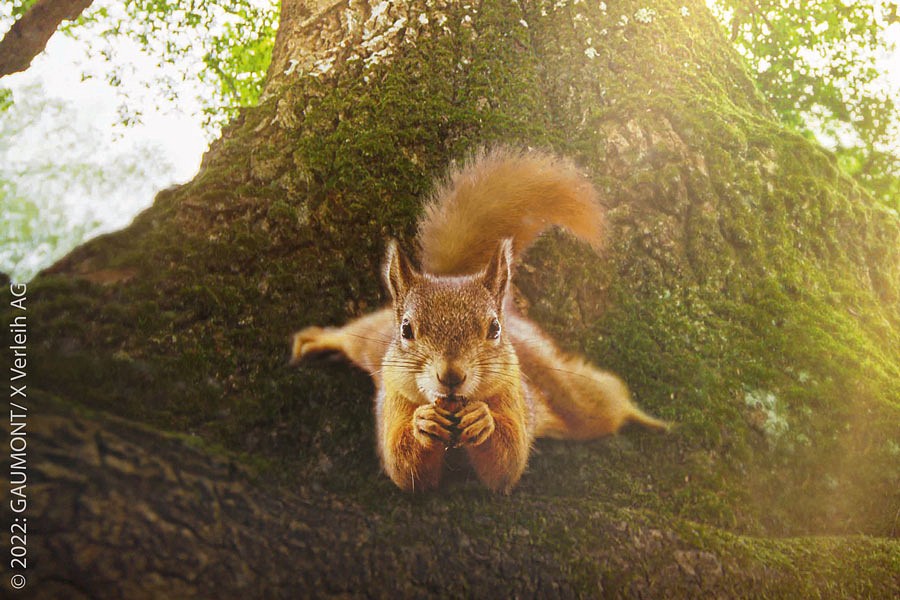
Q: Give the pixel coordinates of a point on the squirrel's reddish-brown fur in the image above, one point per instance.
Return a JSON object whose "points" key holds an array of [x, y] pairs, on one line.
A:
{"points": [[453, 363]]}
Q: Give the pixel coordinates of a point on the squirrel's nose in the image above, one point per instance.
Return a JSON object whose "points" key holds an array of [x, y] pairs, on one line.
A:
{"points": [[451, 377]]}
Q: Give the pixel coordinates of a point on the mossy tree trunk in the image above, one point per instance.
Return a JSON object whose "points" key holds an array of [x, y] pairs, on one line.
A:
{"points": [[750, 293]]}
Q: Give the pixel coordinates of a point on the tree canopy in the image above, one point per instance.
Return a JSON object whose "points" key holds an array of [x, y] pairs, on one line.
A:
{"points": [[821, 66], [226, 45]]}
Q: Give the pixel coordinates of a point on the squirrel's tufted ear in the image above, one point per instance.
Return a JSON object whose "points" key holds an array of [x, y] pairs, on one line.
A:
{"points": [[398, 273], [499, 270]]}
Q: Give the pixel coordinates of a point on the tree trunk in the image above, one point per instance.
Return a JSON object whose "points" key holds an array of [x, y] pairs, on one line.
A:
{"points": [[750, 293]]}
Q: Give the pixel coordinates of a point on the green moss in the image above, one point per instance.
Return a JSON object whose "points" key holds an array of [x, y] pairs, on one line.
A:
{"points": [[740, 261]]}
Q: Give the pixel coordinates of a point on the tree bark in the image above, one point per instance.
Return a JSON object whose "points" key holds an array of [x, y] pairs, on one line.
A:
{"points": [[127, 512], [750, 293], [29, 35]]}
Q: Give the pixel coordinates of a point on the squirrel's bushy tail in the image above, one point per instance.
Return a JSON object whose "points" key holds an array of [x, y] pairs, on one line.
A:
{"points": [[502, 193]]}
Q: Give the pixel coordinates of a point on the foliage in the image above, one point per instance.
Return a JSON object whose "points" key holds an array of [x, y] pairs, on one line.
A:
{"points": [[6, 99], [816, 62], [17, 8], [42, 188], [226, 45]]}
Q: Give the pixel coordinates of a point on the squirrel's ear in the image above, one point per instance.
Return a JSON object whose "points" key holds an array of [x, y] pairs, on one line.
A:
{"points": [[398, 273], [498, 272]]}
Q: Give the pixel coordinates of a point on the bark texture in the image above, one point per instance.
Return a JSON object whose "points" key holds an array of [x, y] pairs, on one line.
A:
{"points": [[750, 293], [127, 512]]}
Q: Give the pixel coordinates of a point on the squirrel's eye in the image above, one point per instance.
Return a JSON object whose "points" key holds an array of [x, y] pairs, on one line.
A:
{"points": [[494, 330], [406, 330]]}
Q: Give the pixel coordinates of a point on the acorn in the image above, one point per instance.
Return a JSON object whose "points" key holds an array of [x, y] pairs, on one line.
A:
{"points": [[452, 405]]}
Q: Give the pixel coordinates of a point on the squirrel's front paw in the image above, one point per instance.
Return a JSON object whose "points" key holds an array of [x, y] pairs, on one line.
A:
{"points": [[431, 426], [476, 424], [309, 341]]}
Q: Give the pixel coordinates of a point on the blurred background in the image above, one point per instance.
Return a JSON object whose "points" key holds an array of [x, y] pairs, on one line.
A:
{"points": [[124, 101]]}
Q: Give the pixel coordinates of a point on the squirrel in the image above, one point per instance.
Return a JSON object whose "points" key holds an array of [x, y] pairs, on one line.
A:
{"points": [[454, 363]]}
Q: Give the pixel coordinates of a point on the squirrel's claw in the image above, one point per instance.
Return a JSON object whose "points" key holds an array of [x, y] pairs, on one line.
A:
{"points": [[303, 343], [430, 426], [476, 424], [314, 341]]}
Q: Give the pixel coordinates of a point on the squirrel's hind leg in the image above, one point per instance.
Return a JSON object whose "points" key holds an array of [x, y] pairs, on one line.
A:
{"points": [[585, 402], [574, 399]]}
